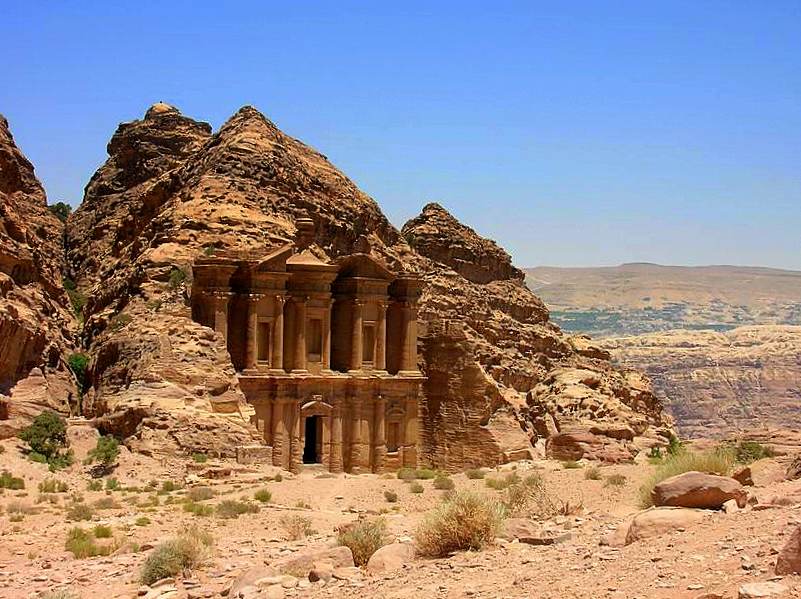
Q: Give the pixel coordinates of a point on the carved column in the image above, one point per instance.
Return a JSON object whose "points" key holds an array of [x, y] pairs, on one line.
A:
{"points": [[410, 433], [381, 338], [300, 334], [409, 338], [220, 302], [336, 440], [277, 362], [356, 336], [252, 330], [380, 438], [327, 337], [296, 453], [279, 435]]}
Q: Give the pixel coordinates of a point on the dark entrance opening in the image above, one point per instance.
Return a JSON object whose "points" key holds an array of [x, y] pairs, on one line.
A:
{"points": [[313, 443]]}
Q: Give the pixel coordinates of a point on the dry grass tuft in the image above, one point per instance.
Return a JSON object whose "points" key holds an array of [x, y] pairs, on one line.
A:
{"points": [[466, 520], [186, 551], [296, 526], [364, 538], [719, 461]]}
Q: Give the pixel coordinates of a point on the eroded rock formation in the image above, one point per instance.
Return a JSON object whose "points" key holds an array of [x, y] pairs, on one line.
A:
{"points": [[35, 320], [501, 376]]}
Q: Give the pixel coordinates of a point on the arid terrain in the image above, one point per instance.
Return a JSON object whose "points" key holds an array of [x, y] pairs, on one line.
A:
{"points": [[711, 557], [721, 344]]}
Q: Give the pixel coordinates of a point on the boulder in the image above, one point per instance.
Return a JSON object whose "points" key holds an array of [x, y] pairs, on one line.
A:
{"points": [[794, 468], [301, 564], [515, 528], [743, 476], [391, 557], [789, 560], [757, 590], [658, 521], [698, 490]]}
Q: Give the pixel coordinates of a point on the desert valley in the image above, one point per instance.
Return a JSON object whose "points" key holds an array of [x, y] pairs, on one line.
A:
{"points": [[227, 374]]}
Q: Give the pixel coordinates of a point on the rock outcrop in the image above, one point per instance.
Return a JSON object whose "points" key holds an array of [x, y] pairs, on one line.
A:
{"points": [[721, 383], [698, 490], [35, 320], [172, 191]]}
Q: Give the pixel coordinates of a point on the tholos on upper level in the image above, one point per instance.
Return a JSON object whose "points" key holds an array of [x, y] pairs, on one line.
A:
{"points": [[326, 352]]}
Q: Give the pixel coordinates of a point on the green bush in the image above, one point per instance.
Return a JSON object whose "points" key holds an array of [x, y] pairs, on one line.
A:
{"points": [[263, 495], [101, 531], [47, 437], [571, 465], [94, 485], [81, 544], [105, 453], [466, 521], [407, 474], [142, 521], [51, 485], [500, 483], [112, 484], [200, 458], [61, 210], [475, 473], [186, 551], [198, 509], [233, 509], [364, 538], [78, 363], [391, 496], [415, 487], [200, 493], [747, 452], [177, 278], [168, 486], [7, 481], [714, 462], [426, 474], [79, 511], [443, 483]]}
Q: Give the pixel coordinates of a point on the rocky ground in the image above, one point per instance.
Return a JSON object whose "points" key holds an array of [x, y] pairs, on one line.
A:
{"points": [[713, 555]]}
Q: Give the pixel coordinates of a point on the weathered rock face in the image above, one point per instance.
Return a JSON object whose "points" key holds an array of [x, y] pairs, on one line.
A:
{"points": [[721, 383], [698, 490], [171, 191], [35, 321]]}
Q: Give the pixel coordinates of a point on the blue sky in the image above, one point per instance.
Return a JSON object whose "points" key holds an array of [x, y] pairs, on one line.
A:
{"points": [[574, 133]]}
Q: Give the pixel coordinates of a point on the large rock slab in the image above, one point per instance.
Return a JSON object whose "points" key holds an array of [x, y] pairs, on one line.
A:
{"points": [[789, 560], [391, 557], [698, 490], [658, 521], [759, 590]]}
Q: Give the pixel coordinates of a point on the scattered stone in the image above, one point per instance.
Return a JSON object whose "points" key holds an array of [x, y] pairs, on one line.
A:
{"points": [[789, 560], [658, 521], [391, 557], [743, 476], [757, 590]]}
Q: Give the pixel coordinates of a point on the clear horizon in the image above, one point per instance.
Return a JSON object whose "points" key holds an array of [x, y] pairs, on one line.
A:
{"points": [[574, 136]]}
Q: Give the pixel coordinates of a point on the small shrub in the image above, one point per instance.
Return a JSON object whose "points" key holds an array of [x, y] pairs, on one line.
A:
{"points": [[675, 446], [105, 453], [296, 526], [78, 363], [52, 485], [655, 453], [17, 507], [592, 473], [59, 594], [467, 521], [278, 478], [200, 458], [200, 493], [106, 503], [142, 521], [713, 462], [112, 484], [407, 474], [168, 486], [94, 485], [747, 452], [364, 538], [186, 551], [443, 483], [61, 210], [120, 321], [571, 465], [47, 437], [79, 511], [7, 481], [426, 474], [198, 509], [391, 496], [101, 531], [80, 543], [233, 509], [177, 278], [615, 480], [500, 483], [263, 495], [415, 487], [475, 473]]}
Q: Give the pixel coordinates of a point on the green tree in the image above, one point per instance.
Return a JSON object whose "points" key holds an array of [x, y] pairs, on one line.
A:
{"points": [[46, 437], [61, 209]]}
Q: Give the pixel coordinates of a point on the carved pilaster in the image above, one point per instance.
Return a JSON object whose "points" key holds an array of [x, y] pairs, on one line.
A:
{"points": [[277, 362], [299, 304], [356, 335], [381, 338], [379, 438], [252, 330]]}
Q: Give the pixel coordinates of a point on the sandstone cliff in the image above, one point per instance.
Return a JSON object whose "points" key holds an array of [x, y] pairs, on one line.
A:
{"points": [[35, 319], [172, 191], [719, 384]]}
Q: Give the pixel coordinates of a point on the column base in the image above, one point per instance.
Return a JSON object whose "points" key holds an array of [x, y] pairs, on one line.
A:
{"points": [[410, 374], [298, 371]]}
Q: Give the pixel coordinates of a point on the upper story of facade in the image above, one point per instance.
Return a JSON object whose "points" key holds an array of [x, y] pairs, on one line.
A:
{"points": [[288, 312]]}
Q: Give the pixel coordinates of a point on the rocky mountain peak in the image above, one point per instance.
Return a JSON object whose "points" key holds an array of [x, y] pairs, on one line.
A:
{"points": [[16, 171], [438, 235]]}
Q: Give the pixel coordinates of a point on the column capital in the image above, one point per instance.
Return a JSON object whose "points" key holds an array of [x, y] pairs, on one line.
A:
{"points": [[219, 293], [254, 297], [280, 298]]}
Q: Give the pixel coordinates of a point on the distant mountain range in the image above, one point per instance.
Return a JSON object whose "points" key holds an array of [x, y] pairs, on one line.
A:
{"points": [[721, 344], [637, 298]]}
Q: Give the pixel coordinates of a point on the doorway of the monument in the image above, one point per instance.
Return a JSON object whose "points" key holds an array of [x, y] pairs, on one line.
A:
{"points": [[313, 445]]}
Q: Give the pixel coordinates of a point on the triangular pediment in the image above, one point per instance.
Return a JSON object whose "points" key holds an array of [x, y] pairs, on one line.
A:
{"points": [[276, 260], [364, 266]]}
